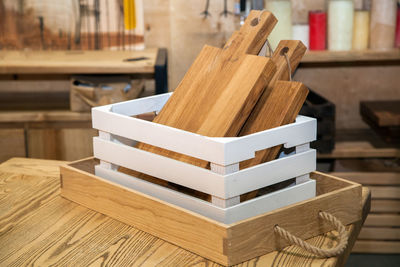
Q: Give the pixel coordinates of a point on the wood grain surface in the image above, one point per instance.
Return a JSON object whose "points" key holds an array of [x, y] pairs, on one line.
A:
{"points": [[280, 102], [281, 107], [38, 227], [72, 62], [219, 90], [221, 87]]}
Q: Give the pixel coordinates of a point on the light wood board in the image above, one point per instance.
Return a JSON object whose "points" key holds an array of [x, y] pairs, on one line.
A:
{"points": [[220, 89], [72, 62], [92, 237], [44, 116], [350, 56], [227, 244], [280, 103]]}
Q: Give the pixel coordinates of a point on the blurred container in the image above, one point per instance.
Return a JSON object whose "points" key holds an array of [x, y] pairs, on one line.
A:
{"points": [[361, 30], [317, 22], [282, 10], [340, 25], [383, 24]]}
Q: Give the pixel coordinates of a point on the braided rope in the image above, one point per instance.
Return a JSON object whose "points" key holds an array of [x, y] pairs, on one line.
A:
{"points": [[326, 253]]}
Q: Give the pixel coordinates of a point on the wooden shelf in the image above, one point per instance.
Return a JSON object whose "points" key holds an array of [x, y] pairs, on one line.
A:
{"points": [[351, 56], [44, 116], [81, 62], [360, 144]]}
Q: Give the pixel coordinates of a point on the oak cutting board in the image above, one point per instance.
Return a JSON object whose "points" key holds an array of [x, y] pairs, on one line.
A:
{"points": [[222, 86], [220, 89]]}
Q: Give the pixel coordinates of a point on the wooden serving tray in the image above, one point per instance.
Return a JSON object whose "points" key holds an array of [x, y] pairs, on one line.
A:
{"points": [[227, 244]]}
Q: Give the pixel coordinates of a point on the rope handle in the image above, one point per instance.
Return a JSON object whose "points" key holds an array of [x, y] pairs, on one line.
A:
{"points": [[325, 253]]}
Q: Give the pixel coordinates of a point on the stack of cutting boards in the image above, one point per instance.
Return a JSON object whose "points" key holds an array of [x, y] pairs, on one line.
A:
{"points": [[233, 91]]}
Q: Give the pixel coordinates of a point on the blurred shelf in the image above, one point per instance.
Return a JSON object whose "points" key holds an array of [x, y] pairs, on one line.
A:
{"points": [[43, 116], [360, 144], [350, 56], [78, 62]]}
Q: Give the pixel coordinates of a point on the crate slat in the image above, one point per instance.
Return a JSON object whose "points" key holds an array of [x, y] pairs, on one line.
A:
{"points": [[244, 210], [222, 151], [223, 186]]}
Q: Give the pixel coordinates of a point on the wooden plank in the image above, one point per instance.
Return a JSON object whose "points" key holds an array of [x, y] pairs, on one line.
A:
{"points": [[224, 242], [156, 217], [72, 62], [381, 113], [382, 220], [281, 101], [12, 143], [37, 223], [209, 82], [34, 86], [372, 246], [219, 91], [32, 167], [360, 149], [351, 56], [43, 116], [371, 178], [250, 237], [282, 106], [385, 192], [379, 233], [385, 206]]}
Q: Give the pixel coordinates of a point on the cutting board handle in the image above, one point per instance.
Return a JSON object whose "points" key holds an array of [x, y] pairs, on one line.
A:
{"points": [[252, 35]]}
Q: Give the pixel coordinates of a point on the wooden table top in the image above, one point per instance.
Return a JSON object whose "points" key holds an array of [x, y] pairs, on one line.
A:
{"points": [[38, 226], [82, 62]]}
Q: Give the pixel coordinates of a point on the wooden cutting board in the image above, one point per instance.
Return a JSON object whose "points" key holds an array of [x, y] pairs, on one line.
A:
{"points": [[221, 87], [281, 101], [288, 95]]}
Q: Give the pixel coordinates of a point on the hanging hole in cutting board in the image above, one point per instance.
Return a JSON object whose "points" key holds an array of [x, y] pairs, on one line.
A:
{"points": [[254, 22]]}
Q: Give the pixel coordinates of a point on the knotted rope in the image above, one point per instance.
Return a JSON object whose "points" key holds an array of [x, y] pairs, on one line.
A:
{"points": [[325, 253]]}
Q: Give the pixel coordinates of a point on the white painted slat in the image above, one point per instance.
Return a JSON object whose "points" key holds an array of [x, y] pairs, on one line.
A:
{"points": [[269, 202], [222, 151], [141, 105], [270, 173], [222, 186], [304, 130], [158, 166], [159, 135], [254, 207]]}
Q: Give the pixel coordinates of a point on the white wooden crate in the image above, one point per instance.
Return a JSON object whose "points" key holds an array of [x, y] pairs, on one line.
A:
{"points": [[118, 132]]}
